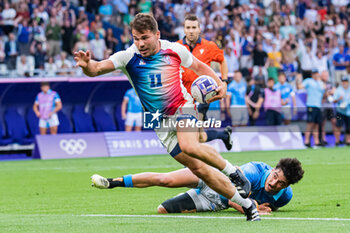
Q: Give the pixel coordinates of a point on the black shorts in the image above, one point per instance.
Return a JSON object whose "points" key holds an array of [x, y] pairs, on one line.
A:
{"points": [[273, 117], [343, 119], [203, 108], [328, 114], [179, 204], [314, 115]]}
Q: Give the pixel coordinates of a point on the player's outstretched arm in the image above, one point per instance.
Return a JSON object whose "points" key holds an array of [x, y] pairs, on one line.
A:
{"points": [[90, 67], [202, 69]]}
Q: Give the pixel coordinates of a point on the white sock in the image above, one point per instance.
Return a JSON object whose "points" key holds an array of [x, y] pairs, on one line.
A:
{"points": [[229, 168], [246, 203]]}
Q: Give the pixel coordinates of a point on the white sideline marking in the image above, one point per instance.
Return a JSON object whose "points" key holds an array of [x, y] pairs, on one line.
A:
{"points": [[211, 217]]}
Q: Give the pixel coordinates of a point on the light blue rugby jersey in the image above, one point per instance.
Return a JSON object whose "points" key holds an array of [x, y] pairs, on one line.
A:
{"points": [[315, 90], [237, 91], [134, 104], [257, 173], [286, 90]]}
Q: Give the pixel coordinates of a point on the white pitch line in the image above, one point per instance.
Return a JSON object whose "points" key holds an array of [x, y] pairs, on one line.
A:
{"points": [[211, 217]]}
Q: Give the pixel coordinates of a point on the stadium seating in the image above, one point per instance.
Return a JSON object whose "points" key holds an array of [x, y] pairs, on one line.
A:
{"points": [[33, 122], [103, 121], [64, 126], [82, 121], [16, 127], [118, 118], [4, 141]]}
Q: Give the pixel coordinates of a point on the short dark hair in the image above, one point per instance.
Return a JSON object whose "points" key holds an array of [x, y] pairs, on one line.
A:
{"points": [[292, 169], [191, 17], [143, 22], [44, 84]]}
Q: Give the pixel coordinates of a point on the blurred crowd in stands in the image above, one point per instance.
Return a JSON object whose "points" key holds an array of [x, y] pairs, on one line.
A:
{"points": [[261, 39]]}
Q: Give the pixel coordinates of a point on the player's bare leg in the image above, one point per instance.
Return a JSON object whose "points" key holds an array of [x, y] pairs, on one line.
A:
{"points": [[128, 128], [179, 178], [137, 128], [42, 130], [53, 129]]}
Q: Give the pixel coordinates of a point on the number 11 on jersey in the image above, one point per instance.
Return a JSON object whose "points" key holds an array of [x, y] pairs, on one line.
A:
{"points": [[156, 80]]}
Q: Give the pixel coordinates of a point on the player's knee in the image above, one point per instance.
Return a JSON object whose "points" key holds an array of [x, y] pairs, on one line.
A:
{"points": [[189, 148], [198, 170], [164, 180], [161, 210]]}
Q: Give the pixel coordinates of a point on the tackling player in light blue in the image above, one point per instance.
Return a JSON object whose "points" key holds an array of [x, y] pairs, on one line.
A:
{"points": [[270, 187]]}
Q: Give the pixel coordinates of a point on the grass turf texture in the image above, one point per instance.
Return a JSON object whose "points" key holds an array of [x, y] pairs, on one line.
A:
{"points": [[54, 196]]}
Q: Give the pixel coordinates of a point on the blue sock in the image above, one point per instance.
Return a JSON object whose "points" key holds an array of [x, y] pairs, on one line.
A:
{"points": [[216, 134], [128, 181]]}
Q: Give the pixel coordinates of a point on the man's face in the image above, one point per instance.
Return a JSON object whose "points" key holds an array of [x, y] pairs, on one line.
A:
{"points": [[146, 42], [345, 84], [275, 182], [192, 30], [270, 83], [281, 79], [45, 88], [237, 76]]}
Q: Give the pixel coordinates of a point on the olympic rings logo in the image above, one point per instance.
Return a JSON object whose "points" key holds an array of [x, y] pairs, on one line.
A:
{"points": [[73, 146]]}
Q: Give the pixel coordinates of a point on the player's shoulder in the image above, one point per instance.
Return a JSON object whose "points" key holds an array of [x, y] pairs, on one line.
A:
{"points": [[165, 44]]}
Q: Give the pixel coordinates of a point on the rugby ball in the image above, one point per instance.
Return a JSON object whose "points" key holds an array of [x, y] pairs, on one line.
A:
{"points": [[203, 88]]}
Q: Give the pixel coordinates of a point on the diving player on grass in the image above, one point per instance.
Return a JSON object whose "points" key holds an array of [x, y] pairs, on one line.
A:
{"points": [[153, 69], [270, 187]]}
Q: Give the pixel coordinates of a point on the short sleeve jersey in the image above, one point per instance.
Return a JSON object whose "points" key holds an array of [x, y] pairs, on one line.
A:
{"points": [[134, 104], [237, 91], [257, 173], [205, 51], [315, 90], [156, 79]]}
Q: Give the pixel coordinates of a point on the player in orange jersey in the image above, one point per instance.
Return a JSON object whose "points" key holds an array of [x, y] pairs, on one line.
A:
{"points": [[205, 51]]}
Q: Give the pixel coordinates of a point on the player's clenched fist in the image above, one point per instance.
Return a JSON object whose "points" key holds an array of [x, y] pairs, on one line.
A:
{"points": [[82, 58]]}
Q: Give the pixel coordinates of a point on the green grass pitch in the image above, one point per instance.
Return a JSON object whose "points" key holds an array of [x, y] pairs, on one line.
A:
{"points": [[56, 196]]}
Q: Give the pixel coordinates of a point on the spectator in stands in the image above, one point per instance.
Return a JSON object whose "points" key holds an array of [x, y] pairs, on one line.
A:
{"points": [[25, 68], [231, 59], [144, 6], [342, 99], [260, 61], [105, 10], [328, 112], [64, 65], [2, 50], [37, 50], [46, 106], [50, 68], [253, 100], [315, 89], [111, 41], [235, 100], [340, 61], [98, 47], [53, 36], [288, 96], [306, 59], [8, 15], [68, 34], [22, 12], [126, 37], [11, 51], [131, 110], [275, 59], [24, 37], [81, 44], [272, 103]]}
